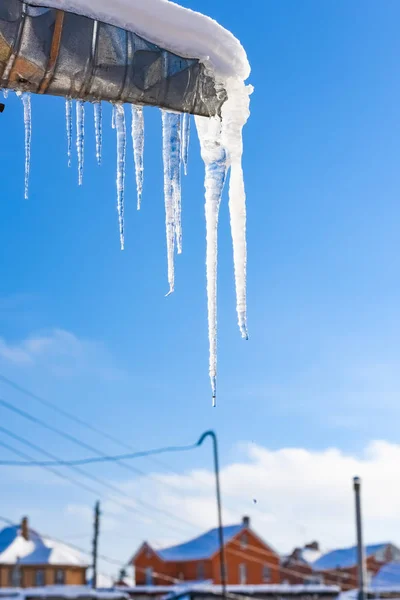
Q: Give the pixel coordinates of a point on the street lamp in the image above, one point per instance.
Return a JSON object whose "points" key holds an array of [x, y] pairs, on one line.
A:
{"points": [[212, 435]]}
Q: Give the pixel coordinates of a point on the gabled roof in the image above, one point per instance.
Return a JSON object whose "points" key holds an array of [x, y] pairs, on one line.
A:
{"points": [[345, 557], [201, 547], [387, 576], [37, 550]]}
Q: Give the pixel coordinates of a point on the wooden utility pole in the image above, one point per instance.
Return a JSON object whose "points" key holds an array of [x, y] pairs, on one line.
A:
{"points": [[96, 532]]}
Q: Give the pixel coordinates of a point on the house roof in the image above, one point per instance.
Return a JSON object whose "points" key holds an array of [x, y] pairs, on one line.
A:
{"points": [[37, 550], [201, 547], [345, 557], [387, 576]]}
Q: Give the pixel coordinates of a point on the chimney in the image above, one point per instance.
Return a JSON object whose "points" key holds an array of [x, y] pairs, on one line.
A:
{"points": [[25, 528], [246, 522], [313, 546]]}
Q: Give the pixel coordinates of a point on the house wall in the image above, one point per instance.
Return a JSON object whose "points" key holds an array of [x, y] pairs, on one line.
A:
{"points": [[255, 556], [295, 572], [347, 578], [73, 575]]}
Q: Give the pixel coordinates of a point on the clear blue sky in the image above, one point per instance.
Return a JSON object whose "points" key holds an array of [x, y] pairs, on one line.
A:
{"points": [[322, 156]]}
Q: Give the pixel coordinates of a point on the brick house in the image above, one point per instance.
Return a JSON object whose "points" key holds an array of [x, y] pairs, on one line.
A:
{"points": [[339, 567], [28, 559], [249, 560]]}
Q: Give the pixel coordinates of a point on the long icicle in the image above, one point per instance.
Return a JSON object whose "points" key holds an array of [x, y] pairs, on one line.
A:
{"points": [[121, 160], [138, 149], [98, 128], [26, 101], [173, 127], [168, 158], [214, 157], [80, 137], [185, 141], [235, 113], [68, 123]]}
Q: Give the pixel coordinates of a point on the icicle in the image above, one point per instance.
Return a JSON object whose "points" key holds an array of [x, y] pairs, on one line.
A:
{"points": [[68, 120], [138, 149], [5, 93], [185, 141], [98, 128], [172, 191], [113, 116], [121, 159], [80, 137], [235, 113], [214, 157], [26, 101]]}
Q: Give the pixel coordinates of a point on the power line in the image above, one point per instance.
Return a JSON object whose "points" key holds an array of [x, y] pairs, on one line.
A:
{"points": [[78, 442], [87, 476], [100, 459], [74, 418]]}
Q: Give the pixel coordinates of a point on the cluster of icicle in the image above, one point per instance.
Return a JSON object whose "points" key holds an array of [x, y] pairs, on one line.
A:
{"points": [[221, 150]]}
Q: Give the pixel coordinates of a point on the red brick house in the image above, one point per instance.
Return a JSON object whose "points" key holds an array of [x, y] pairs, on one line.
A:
{"points": [[249, 560], [339, 567]]}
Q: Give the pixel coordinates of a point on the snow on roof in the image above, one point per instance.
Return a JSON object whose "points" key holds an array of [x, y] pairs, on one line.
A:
{"points": [[387, 576], [35, 551], [200, 548], [64, 591], [281, 588], [345, 557], [170, 26], [310, 556]]}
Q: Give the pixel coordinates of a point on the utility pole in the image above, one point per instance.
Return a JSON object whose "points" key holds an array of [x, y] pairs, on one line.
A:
{"points": [[362, 571], [95, 542], [212, 435]]}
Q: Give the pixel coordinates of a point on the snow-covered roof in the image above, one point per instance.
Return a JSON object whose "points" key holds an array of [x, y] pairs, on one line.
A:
{"points": [[170, 26], [63, 591], [200, 548], [37, 550], [310, 556], [387, 576], [346, 557]]}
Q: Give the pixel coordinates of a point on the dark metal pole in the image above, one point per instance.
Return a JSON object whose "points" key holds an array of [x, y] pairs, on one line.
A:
{"points": [[362, 591], [212, 435], [95, 542]]}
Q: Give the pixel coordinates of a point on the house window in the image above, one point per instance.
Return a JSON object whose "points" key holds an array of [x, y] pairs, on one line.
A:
{"points": [[266, 573], [201, 572], [15, 576], [149, 576], [39, 578], [242, 574], [59, 577], [243, 540]]}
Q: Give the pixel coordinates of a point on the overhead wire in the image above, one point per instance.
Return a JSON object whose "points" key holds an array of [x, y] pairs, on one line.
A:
{"points": [[79, 420], [94, 478], [78, 442]]}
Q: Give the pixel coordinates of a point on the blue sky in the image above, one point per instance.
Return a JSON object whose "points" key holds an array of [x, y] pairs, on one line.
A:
{"points": [[322, 150]]}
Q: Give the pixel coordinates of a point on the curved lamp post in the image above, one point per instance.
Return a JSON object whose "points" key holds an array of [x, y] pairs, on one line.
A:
{"points": [[212, 435]]}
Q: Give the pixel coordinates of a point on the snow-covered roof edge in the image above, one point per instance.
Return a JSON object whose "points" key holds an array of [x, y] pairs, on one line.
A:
{"points": [[180, 30]]}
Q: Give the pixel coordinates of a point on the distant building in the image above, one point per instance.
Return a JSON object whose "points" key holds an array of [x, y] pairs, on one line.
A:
{"points": [[387, 580], [249, 560], [339, 567], [27, 559], [297, 567]]}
